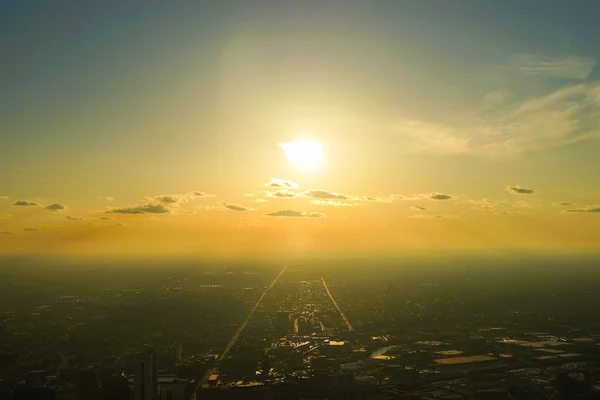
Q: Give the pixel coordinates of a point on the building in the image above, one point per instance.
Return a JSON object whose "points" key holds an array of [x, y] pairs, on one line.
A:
{"points": [[145, 381], [177, 352], [88, 384], [172, 388]]}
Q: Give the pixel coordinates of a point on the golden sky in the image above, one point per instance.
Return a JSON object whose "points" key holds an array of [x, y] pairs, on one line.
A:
{"points": [[256, 127]]}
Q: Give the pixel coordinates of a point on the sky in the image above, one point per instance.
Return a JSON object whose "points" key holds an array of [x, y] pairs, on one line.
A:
{"points": [[230, 127]]}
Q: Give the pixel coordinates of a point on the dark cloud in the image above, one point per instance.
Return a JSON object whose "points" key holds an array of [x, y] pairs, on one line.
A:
{"points": [[283, 194], [563, 203], [584, 210], [280, 183], [5, 233], [73, 218], [236, 207], [24, 203], [323, 194], [420, 208], [201, 194], [516, 189], [141, 209], [440, 196], [55, 207], [31, 230], [294, 213], [167, 199]]}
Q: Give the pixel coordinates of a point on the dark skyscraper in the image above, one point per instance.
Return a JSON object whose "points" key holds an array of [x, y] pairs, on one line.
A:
{"points": [[145, 384]]}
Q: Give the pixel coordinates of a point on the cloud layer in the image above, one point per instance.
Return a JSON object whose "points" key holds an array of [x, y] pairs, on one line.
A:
{"points": [[294, 213], [141, 209]]}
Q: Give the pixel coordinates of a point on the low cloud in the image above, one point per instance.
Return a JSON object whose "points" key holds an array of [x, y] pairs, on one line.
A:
{"points": [[24, 203], [73, 218], [563, 204], [168, 199], [201, 194], [325, 195], [516, 189], [141, 209], [294, 213], [236, 207], [31, 230], [419, 208], [280, 183], [55, 207], [440, 196], [334, 203], [282, 194], [594, 209]]}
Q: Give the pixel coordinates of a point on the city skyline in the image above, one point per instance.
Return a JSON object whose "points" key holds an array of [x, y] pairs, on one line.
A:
{"points": [[255, 127]]}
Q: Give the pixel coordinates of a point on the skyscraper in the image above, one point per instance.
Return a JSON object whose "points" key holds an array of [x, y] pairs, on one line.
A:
{"points": [[145, 382]]}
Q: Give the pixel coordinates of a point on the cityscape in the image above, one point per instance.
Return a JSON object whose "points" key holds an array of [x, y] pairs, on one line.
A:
{"points": [[299, 329]]}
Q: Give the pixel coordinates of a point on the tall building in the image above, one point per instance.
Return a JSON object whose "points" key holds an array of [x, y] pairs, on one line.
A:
{"points": [[177, 352], [145, 380], [88, 384]]}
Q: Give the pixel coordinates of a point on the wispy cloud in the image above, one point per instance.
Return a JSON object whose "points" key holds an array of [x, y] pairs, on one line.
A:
{"points": [[141, 209], [282, 194], [419, 208], [281, 183], [201, 194], [334, 203], [259, 200], [4, 197], [24, 203], [516, 189], [324, 194], [106, 198], [5, 233], [236, 207], [570, 67], [30, 230], [563, 204], [294, 213], [74, 218], [592, 209]]}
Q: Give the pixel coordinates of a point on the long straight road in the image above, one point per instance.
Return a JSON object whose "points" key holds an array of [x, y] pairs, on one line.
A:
{"points": [[237, 333], [348, 324]]}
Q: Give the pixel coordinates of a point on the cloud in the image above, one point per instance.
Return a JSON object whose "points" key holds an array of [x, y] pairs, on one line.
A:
{"points": [[55, 207], [24, 203], [249, 195], [105, 218], [5, 233], [141, 209], [323, 194], [570, 67], [73, 218], [334, 203], [516, 189], [283, 193], [294, 213], [440, 196], [431, 216], [3, 197], [563, 204], [419, 208], [236, 207], [107, 198], [167, 199], [280, 183], [397, 197], [259, 200], [201, 194], [594, 209], [31, 230]]}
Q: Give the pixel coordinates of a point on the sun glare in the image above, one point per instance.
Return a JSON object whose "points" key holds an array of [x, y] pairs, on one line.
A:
{"points": [[306, 155]]}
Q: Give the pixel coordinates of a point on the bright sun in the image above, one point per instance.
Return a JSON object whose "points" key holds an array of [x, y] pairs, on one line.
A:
{"points": [[306, 155]]}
